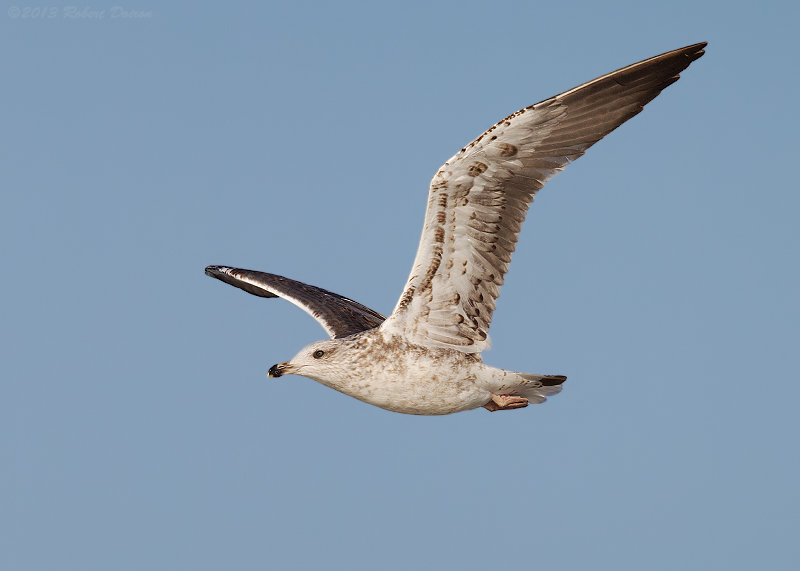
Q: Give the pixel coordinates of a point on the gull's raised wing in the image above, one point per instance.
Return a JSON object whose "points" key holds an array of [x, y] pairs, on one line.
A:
{"points": [[479, 198], [338, 315]]}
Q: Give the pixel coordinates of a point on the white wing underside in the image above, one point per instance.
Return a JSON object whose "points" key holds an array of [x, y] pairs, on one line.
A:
{"points": [[479, 198]]}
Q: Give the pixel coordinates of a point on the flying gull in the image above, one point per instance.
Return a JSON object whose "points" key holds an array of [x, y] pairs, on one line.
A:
{"points": [[425, 358]]}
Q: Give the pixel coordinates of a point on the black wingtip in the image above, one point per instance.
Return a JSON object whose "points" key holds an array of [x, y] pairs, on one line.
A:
{"points": [[697, 50], [685, 54], [215, 271]]}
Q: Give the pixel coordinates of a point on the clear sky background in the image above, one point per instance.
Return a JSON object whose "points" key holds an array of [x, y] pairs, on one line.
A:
{"points": [[138, 428]]}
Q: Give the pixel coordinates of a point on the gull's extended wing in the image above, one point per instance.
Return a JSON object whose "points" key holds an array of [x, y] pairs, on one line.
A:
{"points": [[478, 199], [338, 315]]}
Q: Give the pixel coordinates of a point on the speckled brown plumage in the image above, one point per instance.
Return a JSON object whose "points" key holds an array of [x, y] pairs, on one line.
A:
{"points": [[425, 358]]}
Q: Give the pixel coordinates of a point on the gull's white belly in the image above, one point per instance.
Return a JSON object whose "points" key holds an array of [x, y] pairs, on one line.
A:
{"points": [[426, 394]]}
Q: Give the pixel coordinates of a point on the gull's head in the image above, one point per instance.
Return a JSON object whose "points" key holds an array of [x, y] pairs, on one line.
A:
{"points": [[315, 361]]}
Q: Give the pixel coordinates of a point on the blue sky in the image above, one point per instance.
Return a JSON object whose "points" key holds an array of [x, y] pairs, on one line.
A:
{"points": [[138, 428]]}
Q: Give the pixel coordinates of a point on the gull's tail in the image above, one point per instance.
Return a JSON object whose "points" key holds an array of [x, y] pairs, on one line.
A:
{"points": [[536, 388]]}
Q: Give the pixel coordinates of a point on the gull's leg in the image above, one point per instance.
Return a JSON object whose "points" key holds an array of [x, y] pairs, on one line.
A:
{"points": [[505, 402]]}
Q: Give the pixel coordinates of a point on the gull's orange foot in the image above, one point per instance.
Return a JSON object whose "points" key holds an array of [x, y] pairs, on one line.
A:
{"points": [[505, 402]]}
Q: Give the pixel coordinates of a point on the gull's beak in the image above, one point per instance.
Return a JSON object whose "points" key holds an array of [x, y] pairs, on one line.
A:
{"points": [[277, 370]]}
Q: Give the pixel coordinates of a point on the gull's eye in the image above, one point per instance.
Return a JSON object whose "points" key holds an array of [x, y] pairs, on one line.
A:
{"points": [[318, 354]]}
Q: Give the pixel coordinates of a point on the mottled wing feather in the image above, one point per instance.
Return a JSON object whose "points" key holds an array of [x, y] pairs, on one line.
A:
{"points": [[479, 199], [339, 315]]}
